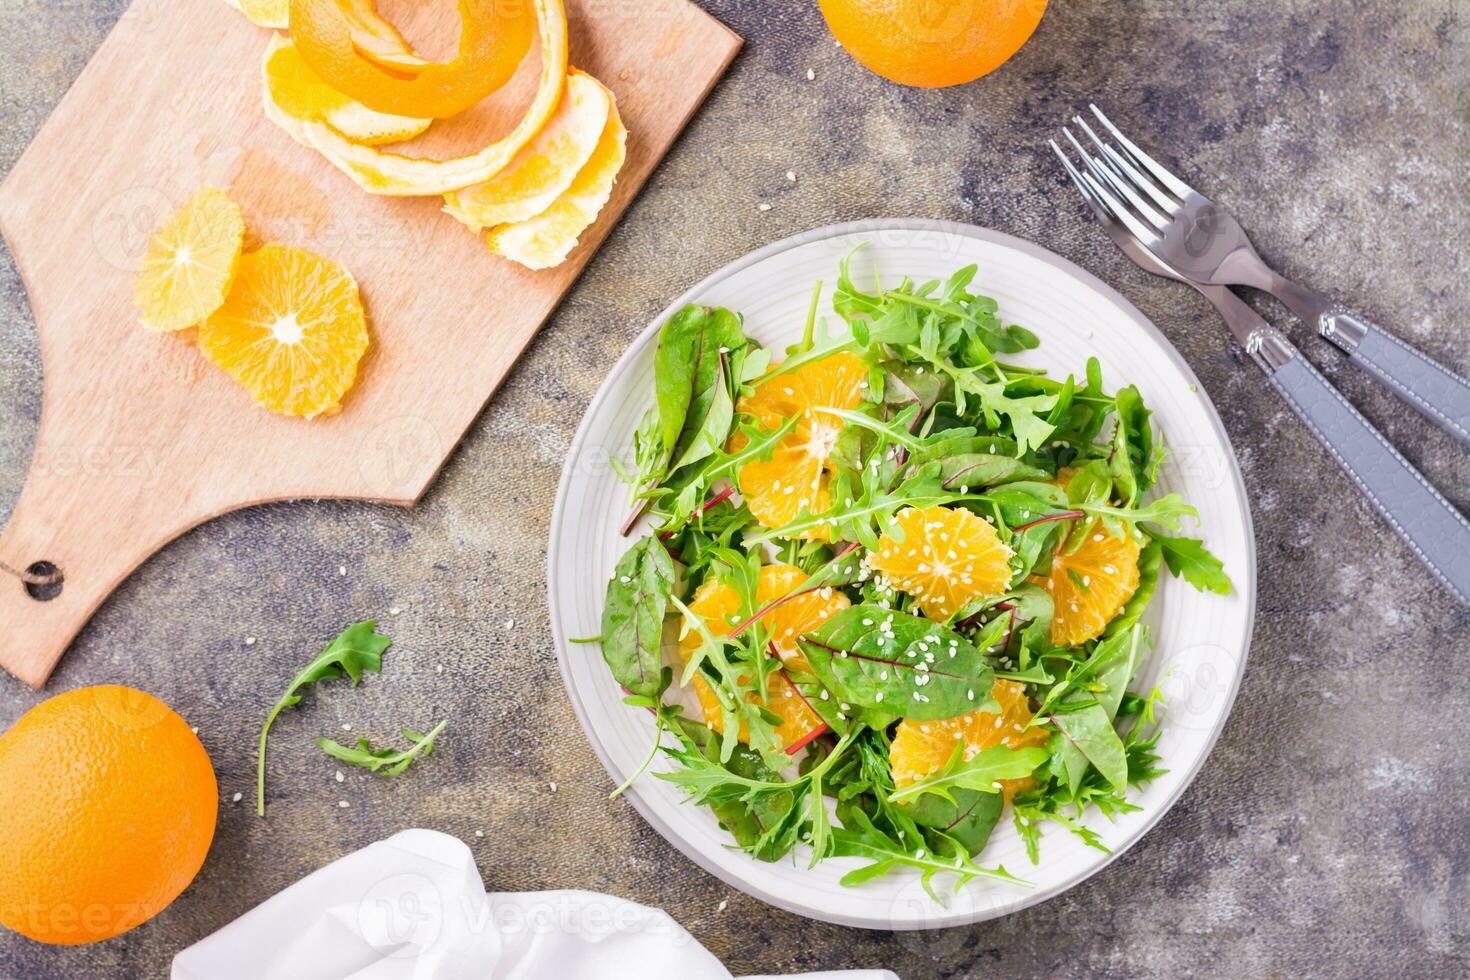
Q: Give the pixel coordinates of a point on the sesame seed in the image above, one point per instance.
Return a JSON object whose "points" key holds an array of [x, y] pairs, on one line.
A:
{"points": [[339, 776], [250, 641], [343, 804], [238, 797]]}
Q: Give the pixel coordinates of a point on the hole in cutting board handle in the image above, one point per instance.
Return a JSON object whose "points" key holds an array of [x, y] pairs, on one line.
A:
{"points": [[44, 593]]}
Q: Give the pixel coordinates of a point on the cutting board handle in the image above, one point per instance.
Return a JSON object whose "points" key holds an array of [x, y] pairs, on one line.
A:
{"points": [[58, 520]]}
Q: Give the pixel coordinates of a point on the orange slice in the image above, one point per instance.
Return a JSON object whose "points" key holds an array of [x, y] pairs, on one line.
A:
{"points": [[799, 725], [546, 240], [1091, 586], [947, 558], [797, 474], [293, 88], [717, 603], [545, 169], [922, 748], [292, 331], [190, 262]]}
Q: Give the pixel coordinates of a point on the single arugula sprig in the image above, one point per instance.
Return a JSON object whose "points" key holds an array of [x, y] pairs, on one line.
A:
{"points": [[387, 761], [359, 649], [803, 817], [981, 773]]}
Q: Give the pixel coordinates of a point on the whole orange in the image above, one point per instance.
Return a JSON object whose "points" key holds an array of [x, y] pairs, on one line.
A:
{"points": [[107, 808], [932, 43]]}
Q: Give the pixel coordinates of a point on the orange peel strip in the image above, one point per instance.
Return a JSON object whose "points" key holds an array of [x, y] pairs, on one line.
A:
{"points": [[546, 240], [546, 167], [332, 35], [396, 175]]}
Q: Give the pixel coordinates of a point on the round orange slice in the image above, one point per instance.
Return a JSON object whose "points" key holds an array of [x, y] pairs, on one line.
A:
{"points": [[799, 723], [947, 558], [545, 169], [190, 262], [718, 604], [1091, 586], [922, 748], [292, 331], [796, 476]]}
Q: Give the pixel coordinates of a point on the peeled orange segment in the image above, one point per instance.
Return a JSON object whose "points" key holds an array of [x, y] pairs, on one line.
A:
{"points": [[947, 558], [796, 476], [264, 13], [716, 603], [922, 748], [297, 92], [190, 262], [395, 175], [494, 36], [292, 331], [799, 723], [546, 167], [546, 240], [1091, 586]]}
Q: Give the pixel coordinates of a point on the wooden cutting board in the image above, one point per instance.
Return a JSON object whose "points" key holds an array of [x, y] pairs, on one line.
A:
{"points": [[141, 439]]}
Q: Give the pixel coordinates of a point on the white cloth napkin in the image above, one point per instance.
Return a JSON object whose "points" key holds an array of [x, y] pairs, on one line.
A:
{"points": [[412, 907]]}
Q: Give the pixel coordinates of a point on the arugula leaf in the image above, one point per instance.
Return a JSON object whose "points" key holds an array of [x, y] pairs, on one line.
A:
{"points": [[357, 650], [861, 838], [980, 773], [388, 761], [1133, 463], [888, 664], [1189, 558], [633, 615]]}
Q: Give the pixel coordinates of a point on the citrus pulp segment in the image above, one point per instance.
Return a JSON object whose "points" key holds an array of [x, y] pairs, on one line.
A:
{"points": [[947, 557], [190, 262], [1090, 586], [796, 476], [292, 331], [922, 748]]}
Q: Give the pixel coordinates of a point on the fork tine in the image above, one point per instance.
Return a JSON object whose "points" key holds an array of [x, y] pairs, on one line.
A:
{"points": [[1105, 177], [1105, 205], [1164, 202], [1092, 200], [1176, 186]]}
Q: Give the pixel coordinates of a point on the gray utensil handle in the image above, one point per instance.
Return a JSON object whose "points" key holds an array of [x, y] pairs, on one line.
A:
{"points": [[1438, 533], [1441, 394]]}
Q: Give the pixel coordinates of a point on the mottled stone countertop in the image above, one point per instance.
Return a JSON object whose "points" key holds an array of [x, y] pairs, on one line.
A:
{"points": [[1328, 835]]}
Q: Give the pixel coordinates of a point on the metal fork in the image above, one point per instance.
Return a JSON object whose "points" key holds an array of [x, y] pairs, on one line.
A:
{"points": [[1193, 234], [1438, 533]]}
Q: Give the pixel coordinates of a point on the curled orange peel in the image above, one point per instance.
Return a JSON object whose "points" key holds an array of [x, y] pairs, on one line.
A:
{"points": [[358, 53], [395, 175]]}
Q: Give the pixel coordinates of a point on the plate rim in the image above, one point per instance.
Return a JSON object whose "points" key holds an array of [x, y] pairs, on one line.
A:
{"points": [[823, 233]]}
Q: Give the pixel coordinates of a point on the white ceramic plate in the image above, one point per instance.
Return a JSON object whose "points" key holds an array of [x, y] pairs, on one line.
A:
{"points": [[1201, 640]]}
